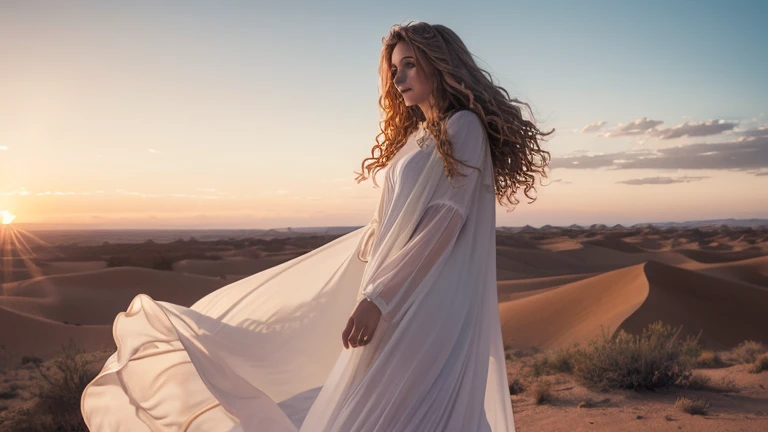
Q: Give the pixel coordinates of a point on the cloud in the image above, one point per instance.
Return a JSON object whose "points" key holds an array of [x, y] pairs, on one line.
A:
{"points": [[3, 148], [735, 155], [152, 151], [648, 127], [640, 126], [761, 131], [593, 127], [661, 180], [695, 129]]}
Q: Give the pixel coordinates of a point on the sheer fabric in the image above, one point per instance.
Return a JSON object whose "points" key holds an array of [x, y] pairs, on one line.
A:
{"points": [[437, 230], [265, 354]]}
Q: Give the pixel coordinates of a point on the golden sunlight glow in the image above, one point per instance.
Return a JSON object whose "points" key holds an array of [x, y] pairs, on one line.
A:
{"points": [[7, 217]]}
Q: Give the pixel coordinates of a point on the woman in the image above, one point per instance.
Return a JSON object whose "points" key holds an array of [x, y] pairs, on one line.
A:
{"points": [[422, 349]]}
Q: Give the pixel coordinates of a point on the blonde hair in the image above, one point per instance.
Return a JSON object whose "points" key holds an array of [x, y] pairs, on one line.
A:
{"points": [[458, 84]]}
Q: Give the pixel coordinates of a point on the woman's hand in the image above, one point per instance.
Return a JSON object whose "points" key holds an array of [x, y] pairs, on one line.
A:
{"points": [[361, 326]]}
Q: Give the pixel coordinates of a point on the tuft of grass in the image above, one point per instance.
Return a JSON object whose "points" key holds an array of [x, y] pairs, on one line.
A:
{"points": [[651, 360], [761, 364], [516, 387], [542, 392], [692, 406]]}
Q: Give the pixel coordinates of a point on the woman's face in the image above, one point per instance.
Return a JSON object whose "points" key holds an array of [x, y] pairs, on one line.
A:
{"points": [[409, 79]]}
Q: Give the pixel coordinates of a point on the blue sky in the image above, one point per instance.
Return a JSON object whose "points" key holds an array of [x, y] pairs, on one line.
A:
{"points": [[255, 114]]}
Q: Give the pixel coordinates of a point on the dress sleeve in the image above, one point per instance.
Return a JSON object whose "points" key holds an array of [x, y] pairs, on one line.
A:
{"points": [[393, 285]]}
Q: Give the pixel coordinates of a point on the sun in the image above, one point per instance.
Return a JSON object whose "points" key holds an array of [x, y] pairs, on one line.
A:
{"points": [[7, 217]]}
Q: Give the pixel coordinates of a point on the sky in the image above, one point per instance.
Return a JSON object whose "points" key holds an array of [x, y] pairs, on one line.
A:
{"points": [[246, 114]]}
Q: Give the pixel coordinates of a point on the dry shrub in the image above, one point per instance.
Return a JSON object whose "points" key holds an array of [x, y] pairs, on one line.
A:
{"points": [[710, 359], [548, 364], [57, 407], [653, 359], [693, 407], [10, 393], [761, 364], [516, 387], [696, 381], [746, 352], [542, 392]]}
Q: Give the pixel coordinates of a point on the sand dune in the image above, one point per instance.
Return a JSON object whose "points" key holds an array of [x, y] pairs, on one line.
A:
{"points": [[556, 285], [727, 312], [515, 263], [26, 335], [753, 271], [573, 312], [96, 297]]}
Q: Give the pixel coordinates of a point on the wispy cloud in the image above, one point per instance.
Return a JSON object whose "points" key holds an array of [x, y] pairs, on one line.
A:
{"points": [[560, 181], [640, 126], [593, 127], [647, 127], [3, 148], [661, 180], [153, 151], [740, 155], [696, 129], [761, 131]]}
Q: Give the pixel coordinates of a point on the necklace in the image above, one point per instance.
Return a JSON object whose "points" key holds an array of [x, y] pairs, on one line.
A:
{"points": [[423, 137]]}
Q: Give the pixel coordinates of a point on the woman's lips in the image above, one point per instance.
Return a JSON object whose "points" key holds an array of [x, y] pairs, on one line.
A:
{"points": [[405, 91]]}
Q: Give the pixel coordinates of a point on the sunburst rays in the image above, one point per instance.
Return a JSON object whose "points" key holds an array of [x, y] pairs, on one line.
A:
{"points": [[17, 255]]}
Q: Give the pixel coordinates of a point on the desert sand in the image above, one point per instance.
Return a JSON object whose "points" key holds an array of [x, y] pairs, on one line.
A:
{"points": [[556, 286]]}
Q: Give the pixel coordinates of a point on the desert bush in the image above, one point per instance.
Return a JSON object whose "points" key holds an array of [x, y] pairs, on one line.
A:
{"points": [[516, 387], [10, 393], [57, 404], [548, 364], [542, 392], [709, 359], [693, 407], [653, 359], [34, 360], [746, 352], [695, 381], [761, 364]]}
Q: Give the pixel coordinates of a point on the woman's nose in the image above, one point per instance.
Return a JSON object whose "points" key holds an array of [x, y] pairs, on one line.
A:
{"points": [[399, 79]]}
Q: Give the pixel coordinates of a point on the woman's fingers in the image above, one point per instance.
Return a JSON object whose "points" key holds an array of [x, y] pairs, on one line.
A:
{"points": [[347, 331]]}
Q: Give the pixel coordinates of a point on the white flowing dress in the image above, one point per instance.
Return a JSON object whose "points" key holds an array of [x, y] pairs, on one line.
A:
{"points": [[265, 352]]}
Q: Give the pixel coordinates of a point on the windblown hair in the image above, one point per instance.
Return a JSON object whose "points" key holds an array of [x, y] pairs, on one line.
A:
{"points": [[458, 84]]}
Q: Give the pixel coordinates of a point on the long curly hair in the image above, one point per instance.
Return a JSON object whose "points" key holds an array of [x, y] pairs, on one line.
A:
{"points": [[458, 84]]}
